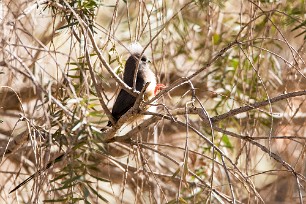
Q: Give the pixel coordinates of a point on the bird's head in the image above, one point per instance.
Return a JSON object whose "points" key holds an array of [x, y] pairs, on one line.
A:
{"points": [[138, 56], [132, 62]]}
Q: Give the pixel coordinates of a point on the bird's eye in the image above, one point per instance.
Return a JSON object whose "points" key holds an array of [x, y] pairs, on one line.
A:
{"points": [[144, 59]]}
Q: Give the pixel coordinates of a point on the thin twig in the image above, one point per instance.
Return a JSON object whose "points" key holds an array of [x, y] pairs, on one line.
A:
{"points": [[100, 56], [98, 91], [128, 116]]}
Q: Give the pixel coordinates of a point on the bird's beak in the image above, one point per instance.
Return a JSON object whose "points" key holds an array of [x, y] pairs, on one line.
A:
{"points": [[158, 88]]}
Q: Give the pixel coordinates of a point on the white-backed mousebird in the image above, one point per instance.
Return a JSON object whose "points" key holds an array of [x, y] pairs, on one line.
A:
{"points": [[124, 100]]}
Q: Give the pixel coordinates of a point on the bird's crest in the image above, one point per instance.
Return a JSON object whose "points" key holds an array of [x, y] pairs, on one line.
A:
{"points": [[135, 48]]}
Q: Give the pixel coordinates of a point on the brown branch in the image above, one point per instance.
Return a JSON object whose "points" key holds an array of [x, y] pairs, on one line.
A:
{"points": [[13, 144], [257, 105], [189, 171], [132, 134], [130, 115], [92, 74], [263, 148], [236, 111], [198, 111], [182, 81], [100, 56], [32, 78], [215, 119], [109, 69]]}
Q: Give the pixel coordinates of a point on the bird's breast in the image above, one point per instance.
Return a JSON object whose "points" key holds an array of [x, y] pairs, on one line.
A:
{"points": [[149, 76]]}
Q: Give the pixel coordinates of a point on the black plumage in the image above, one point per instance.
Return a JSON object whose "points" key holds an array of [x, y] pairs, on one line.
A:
{"points": [[124, 100]]}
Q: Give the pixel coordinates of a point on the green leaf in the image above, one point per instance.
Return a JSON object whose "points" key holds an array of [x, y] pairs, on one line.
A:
{"points": [[182, 200], [216, 39], [55, 200], [79, 145], [59, 177], [300, 34], [85, 191], [299, 26], [97, 194], [76, 178], [68, 25], [96, 114], [176, 172], [61, 188], [234, 63], [74, 200], [99, 178], [226, 142]]}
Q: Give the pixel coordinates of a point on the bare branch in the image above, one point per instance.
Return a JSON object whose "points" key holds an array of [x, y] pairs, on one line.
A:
{"points": [[128, 116], [98, 91]]}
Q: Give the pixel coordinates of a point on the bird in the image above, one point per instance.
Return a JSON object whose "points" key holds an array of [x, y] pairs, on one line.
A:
{"points": [[125, 100]]}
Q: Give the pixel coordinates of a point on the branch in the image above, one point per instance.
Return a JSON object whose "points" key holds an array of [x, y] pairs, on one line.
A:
{"points": [[184, 80], [189, 171], [103, 104], [210, 143], [263, 148], [236, 111], [132, 134], [109, 69], [40, 171], [257, 105], [128, 116], [100, 56], [14, 144]]}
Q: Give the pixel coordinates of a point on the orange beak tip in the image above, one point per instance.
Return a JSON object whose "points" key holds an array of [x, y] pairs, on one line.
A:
{"points": [[159, 87]]}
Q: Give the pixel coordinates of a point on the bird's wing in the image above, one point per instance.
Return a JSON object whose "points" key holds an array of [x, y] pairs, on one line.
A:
{"points": [[122, 104]]}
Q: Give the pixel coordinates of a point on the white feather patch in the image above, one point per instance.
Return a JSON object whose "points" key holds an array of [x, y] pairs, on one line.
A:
{"points": [[135, 48]]}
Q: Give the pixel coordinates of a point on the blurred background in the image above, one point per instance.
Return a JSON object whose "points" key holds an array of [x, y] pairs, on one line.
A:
{"points": [[215, 56]]}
